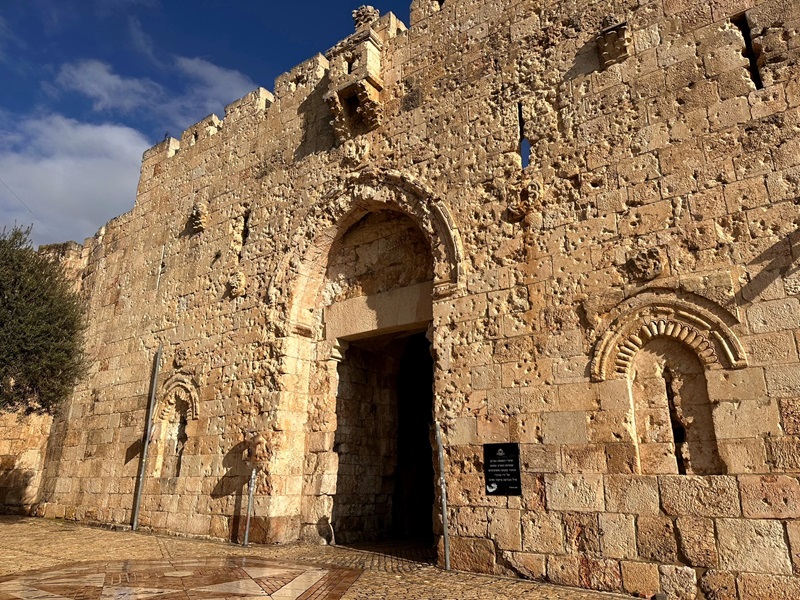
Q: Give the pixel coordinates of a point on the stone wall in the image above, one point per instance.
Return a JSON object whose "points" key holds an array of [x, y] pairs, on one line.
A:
{"points": [[599, 224], [23, 441]]}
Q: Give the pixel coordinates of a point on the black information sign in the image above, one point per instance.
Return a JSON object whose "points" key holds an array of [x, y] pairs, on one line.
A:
{"points": [[501, 469]]}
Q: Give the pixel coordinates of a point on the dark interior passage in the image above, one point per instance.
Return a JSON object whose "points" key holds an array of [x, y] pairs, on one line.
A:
{"points": [[385, 481]]}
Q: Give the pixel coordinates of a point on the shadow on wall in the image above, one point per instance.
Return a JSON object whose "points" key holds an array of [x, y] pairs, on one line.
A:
{"points": [[234, 483], [17, 493]]}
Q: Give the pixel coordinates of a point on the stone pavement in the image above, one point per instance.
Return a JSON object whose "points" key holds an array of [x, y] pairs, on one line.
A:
{"points": [[56, 560]]}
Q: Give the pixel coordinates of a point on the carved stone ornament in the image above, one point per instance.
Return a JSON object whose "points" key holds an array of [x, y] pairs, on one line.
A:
{"points": [[705, 332], [365, 16], [181, 358], [646, 265], [180, 389], [198, 219], [355, 152], [258, 451], [613, 42], [522, 195], [237, 284]]}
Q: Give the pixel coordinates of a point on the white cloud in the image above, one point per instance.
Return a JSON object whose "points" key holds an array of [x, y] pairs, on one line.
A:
{"points": [[205, 88], [74, 176], [142, 42], [107, 90], [209, 88]]}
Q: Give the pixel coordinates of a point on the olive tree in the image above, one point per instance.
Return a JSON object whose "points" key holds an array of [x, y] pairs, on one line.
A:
{"points": [[41, 327]]}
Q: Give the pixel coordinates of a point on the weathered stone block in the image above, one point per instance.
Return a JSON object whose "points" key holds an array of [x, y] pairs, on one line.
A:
{"points": [[701, 496], [767, 587], [770, 496], [753, 546], [679, 583], [618, 535], [633, 494], [718, 585], [656, 539], [542, 532], [697, 541], [640, 579], [574, 492]]}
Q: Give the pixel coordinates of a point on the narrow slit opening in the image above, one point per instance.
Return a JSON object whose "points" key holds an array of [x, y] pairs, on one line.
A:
{"points": [[524, 142], [676, 423], [751, 52]]}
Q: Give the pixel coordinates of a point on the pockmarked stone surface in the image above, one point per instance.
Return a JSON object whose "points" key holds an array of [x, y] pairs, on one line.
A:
{"points": [[569, 226]]}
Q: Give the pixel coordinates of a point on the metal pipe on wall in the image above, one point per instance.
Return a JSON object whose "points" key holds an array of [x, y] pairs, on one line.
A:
{"points": [[443, 488], [148, 433]]}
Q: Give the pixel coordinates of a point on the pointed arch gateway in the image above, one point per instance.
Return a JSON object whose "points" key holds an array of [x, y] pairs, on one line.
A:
{"points": [[311, 285]]}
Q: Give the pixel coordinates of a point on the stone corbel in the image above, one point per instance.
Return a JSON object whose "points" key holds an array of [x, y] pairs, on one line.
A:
{"points": [[613, 42]]}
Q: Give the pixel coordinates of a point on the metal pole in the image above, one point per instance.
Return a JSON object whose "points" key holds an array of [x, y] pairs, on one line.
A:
{"points": [[251, 491], [443, 487], [148, 432]]}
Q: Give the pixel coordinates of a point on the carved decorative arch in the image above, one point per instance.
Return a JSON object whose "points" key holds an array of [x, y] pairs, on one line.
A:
{"points": [[181, 386], [660, 313], [348, 200]]}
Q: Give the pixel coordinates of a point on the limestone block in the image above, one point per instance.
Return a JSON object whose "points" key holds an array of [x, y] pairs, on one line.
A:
{"points": [[655, 538], [774, 315], [601, 574], [574, 492], [472, 554], [611, 427], [531, 566], [467, 521], [697, 541], [539, 458], [770, 496], [746, 384], [700, 496], [582, 533], [718, 585], [542, 532], [753, 546], [618, 535], [563, 570], [743, 455], [505, 528], [564, 428], [632, 494], [784, 453], [640, 579], [768, 587], [770, 349], [783, 381], [584, 458], [622, 459], [793, 531], [747, 419], [679, 583]]}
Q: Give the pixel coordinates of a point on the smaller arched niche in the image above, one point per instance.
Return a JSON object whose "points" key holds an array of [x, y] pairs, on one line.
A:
{"points": [[177, 408], [664, 345], [673, 414]]}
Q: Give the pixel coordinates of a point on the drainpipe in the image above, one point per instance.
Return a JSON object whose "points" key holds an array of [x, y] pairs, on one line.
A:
{"points": [[148, 433], [443, 489]]}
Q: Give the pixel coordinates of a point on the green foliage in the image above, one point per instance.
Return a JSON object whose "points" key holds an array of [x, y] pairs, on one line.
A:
{"points": [[41, 327]]}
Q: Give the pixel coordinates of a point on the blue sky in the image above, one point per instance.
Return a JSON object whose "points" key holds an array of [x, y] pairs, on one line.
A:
{"points": [[87, 85]]}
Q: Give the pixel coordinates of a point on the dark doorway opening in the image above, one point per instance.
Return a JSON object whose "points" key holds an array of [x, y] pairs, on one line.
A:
{"points": [[384, 410]]}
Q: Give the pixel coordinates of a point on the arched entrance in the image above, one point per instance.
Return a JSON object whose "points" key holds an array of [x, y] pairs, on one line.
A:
{"points": [[354, 304]]}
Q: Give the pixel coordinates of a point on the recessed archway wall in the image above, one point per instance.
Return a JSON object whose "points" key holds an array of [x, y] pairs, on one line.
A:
{"points": [[300, 495]]}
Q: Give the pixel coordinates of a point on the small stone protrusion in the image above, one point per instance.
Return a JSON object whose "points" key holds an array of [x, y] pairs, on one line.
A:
{"points": [[613, 42], [198, 219], [365, 16], [237, 284]]}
